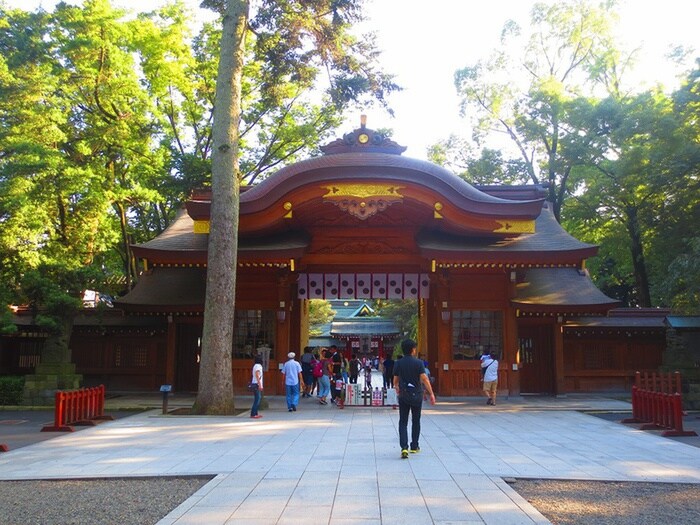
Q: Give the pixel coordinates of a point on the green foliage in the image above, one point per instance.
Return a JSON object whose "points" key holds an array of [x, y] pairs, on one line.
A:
{"points": [[680, 288], [106, 120], [11, 390], [403, 312], [320, 313]]}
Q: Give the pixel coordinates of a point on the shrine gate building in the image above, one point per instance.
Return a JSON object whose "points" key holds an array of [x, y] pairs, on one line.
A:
{"points": [[489, 267]]}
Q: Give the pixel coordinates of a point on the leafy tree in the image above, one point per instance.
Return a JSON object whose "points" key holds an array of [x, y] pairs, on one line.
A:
{"points": [[569, 43], [320, 313], [681, 286], [403, 312], [295, 39], [640, 182]]}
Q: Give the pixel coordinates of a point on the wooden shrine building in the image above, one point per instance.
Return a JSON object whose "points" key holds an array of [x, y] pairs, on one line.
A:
{"points": [[489, 267]]}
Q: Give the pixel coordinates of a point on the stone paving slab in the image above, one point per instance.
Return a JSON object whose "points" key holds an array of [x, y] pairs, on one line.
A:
{"points": [[324, 465]]}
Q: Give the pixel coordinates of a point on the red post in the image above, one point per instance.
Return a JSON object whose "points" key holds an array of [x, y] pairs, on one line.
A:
{"points": [[677, 411], [4, 448]]}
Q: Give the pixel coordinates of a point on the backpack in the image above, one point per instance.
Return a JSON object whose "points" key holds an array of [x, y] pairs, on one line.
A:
{"points": [[318, 369]]}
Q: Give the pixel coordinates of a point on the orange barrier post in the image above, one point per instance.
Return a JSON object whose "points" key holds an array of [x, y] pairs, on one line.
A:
{"points": [[77, 407]]}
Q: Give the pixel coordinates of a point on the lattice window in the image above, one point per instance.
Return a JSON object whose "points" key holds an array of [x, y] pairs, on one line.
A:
{"points": [[253, 329], [130, 357], [527, 348], [599, 356], [475, 332]]}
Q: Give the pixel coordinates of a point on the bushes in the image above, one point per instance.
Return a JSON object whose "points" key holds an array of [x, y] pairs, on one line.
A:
{"points": [[11, 388]]}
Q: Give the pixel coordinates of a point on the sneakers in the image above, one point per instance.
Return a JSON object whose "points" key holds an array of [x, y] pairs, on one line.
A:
{"points": [[323, 401], [294, 408], [257, 416], [415, 450], [404, 454]]}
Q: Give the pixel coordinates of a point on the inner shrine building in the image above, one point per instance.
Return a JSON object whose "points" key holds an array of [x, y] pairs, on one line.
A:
{"points": [[489, 267]]}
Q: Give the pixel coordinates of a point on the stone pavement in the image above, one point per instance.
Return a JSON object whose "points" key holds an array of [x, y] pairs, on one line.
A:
{"points": [[324, 465]]}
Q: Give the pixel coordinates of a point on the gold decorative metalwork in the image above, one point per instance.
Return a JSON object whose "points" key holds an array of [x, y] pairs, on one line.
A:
{"points": [[201, 226], [363, 209], [438, 208], [363, 191], [288, 208], [363, 200], [515, 226]]}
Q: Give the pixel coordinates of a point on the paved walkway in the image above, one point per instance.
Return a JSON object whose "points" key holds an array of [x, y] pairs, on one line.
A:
{"points": [[324, 465]]}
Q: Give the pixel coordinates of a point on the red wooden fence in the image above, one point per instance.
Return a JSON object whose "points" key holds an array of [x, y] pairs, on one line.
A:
{"points": [[84, 406], [658, 404], [665, 382]]}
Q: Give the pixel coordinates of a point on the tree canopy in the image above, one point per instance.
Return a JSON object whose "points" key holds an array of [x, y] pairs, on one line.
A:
{"points": [[620, 166]]}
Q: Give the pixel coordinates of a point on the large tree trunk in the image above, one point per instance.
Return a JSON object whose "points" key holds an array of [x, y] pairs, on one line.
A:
{"points": [[638, 261], [215, 374]]}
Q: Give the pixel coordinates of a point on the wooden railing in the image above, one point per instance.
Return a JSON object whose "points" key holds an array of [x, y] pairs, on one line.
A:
{"points": [[84, 406]]}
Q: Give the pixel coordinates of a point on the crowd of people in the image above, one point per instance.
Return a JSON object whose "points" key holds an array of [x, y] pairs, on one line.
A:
{"points": [[325, 373]]}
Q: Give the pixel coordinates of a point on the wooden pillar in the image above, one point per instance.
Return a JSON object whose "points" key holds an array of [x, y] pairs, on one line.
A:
{"points": [[558, 340], [510, 360], [170, 351], [439, 327]]}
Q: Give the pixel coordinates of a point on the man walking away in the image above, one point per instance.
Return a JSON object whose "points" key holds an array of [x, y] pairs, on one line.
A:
{"points": [[354, 369], [388, 369], [409, 381], [489, 369], [292, 380]]}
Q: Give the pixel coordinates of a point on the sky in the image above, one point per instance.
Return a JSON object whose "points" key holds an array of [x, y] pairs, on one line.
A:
{"points": [[424, 43]]}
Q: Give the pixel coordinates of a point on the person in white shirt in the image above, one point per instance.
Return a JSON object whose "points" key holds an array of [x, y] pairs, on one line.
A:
{"points": [[257, 392], [293, 380], [489, 368]]}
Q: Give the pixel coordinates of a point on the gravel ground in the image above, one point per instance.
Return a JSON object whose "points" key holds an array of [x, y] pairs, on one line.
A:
{"points": [[611, 502], [144, 501], [135, 501]]}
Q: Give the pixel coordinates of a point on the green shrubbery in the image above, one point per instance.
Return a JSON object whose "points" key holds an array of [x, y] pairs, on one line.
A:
{"points": [[11, 388]]}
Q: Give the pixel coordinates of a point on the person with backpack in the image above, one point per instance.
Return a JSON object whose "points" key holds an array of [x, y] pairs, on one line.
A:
{"points": [[322, 373], [354, 369], [489, 371], [409, 381]]}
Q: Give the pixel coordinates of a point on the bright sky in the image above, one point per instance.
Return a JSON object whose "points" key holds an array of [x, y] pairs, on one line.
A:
{"points": [[423, 48]]}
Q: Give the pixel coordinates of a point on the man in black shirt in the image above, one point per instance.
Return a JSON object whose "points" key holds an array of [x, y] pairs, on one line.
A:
{"points": [[388, 366], [409, 381]]}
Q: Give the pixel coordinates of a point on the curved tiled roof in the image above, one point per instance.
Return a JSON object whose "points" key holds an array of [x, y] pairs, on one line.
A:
{"points": [[560, 290], [168, 289], [549, 240], [363, 166], [179, 243]]}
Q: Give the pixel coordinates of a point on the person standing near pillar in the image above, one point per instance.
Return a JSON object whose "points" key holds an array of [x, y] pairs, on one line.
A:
{"points": [[292, 381], [257, 392], [409, 381], [489, 369]]}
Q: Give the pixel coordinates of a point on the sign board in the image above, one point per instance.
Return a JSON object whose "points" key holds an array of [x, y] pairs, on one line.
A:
{"points": [[166, 388]]}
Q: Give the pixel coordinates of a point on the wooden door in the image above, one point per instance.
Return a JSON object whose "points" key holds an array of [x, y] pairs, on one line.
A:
{"points": [[536, 359], [188, 355]]}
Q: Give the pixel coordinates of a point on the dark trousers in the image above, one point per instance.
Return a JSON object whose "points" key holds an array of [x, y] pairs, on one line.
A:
{"points": [[335, 393], [388, 381], [257, 396], [404, 409], [353, 379]]}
